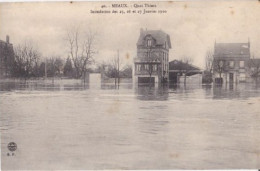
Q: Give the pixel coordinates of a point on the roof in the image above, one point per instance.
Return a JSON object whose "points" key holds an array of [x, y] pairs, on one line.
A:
{"points": [[254, 61], [179, 65], [160, 36], [3, 42], [224, 49]]}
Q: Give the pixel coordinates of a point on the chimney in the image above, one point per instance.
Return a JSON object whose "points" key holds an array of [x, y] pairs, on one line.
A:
{"points": [[7, 39], [141, 31], [215, 46]]}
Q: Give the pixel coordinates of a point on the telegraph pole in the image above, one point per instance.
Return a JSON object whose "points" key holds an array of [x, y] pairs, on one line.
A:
{"points": [[45, 69], [118, 67]]}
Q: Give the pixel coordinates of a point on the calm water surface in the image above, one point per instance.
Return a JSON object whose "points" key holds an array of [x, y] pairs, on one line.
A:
{"points": [[67, 125]]}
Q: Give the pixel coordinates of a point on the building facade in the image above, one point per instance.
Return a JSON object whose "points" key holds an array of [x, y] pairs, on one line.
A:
{"points": [[181, 72], [151, 64], [230, 62], [6, 58]]}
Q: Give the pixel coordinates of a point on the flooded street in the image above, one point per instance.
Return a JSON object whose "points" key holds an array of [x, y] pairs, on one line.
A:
{"points": [[69, 126]]}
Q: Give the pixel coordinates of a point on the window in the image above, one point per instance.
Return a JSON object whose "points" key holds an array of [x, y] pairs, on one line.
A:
{"points": [[242, 76], [138, 67], [146, 67], [149, 54], [162, 65], [142, 67], [221, 63], [242, 64], [231, 64], [163, 56], [149, 42], [155, 67]]}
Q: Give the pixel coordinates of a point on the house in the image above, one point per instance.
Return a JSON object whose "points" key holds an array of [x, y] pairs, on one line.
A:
{"points": [[152, 62], [181, 72], [6, 58], [230, 62]]}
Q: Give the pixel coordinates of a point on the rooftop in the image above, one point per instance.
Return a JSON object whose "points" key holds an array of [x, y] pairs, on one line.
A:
{"points": [[179, 65], [160, 36], [232, 49]]}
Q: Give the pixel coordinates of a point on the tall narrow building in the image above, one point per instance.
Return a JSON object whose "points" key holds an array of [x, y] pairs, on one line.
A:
{"points": [[151, 64], [6, 58]]}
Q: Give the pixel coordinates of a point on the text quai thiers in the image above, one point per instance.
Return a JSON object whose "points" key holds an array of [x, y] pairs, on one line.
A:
{"points": [[136, 8]]}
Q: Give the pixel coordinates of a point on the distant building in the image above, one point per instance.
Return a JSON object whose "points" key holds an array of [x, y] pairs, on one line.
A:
{"points": [[6, 58], [152, 61], [178, 70], [231, 62], [254, 69]]}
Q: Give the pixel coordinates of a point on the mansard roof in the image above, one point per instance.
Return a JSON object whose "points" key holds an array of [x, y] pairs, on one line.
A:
{"points": [[160, 36], [232, 49]]}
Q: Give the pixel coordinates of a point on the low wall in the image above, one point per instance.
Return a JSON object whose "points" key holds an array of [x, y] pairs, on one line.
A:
{"points": [[112, 81], [194, 79]]}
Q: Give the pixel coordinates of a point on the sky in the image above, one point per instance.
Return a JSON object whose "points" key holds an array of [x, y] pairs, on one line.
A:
{"points": [[193, 26]]}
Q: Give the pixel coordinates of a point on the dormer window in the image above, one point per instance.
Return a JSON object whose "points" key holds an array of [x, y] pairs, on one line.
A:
{"points": [[242, 64], [149, 42], [231, 64]]}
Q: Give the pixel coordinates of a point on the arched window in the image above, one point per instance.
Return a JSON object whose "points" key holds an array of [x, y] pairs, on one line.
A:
{"points": [[149, 42]]}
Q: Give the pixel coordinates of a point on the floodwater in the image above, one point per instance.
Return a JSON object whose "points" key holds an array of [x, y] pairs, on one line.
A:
{"points": [[67, 125]]}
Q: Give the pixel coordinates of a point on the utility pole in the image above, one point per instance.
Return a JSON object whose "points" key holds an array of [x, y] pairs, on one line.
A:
{"points": [[118, 67], [45, 69]]}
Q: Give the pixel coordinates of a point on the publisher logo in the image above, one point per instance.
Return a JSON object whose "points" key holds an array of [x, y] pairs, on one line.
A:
{"points": [[12, 146]]}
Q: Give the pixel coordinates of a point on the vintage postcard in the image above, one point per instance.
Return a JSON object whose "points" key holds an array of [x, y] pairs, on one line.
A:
{"points": [[130, 85]]}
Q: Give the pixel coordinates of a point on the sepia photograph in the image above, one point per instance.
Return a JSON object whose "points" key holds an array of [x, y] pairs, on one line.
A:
{"points": [[130, 85]]}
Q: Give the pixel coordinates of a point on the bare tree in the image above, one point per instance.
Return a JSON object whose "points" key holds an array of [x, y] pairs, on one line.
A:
{"points": [[152, 59], [54, 66], [26, 58], [220, 66], [115, 68], [207, 75], [254, 68], [81, 50], [68, 70]]}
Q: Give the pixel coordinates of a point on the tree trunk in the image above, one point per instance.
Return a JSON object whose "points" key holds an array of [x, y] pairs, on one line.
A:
{"points": [[185, 78]]}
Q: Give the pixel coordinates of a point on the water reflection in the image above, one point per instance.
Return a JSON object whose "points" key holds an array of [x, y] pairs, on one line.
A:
{"points": [[142, 92], [116, 86], [207, 89], [146, 92], [235, 91]]}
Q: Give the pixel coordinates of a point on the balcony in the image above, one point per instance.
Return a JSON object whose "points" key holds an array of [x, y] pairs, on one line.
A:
{"points": [[145, 72], [145, 60]]}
